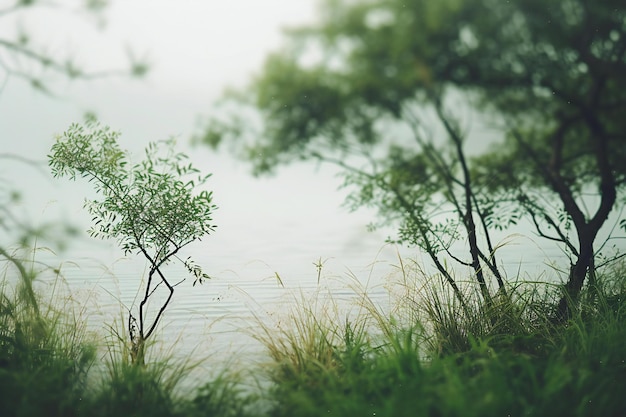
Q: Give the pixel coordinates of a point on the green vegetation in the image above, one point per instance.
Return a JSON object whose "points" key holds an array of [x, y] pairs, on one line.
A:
{"points": [[50, 365], [151, 208], [371, 89], [387, 89], [44, 353], [450, 364], [427, 358]]}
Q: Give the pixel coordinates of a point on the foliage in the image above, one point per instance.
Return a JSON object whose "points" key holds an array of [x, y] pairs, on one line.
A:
{"points": [[49, 366], [136, 390], [377, 87], [24, 57], [150, 208], [321, 363]]}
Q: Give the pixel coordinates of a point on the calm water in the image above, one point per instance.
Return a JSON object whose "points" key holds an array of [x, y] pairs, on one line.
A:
{"points": [[267, 229], [280, 225], [217, 320]]}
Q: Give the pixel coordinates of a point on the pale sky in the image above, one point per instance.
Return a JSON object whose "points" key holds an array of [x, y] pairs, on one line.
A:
{"points": [[197, 49], [279, 225]]}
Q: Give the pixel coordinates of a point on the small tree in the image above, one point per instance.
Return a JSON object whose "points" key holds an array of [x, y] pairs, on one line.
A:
{"points": [[150, 209]]}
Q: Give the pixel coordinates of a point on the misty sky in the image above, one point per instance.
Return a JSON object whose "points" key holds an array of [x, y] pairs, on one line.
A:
{"points": [[196, 48]]}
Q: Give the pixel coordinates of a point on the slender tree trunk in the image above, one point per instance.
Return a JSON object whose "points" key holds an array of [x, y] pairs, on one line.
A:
{"points": [[587, 229], [137, 342], [468, 214], [578, 272]]}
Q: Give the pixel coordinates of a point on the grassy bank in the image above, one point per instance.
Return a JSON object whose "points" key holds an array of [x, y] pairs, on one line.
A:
{"points": [[434, 358], [423, 356]]}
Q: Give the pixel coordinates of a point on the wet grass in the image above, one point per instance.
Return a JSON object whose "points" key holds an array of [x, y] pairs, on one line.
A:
{"points": [[423, 355]]}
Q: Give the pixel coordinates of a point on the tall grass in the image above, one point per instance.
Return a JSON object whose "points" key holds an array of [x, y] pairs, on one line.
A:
{"points": [[45, 355], [421, 355], [161, 386], [510, 359], [50, 365], [314, 350]]}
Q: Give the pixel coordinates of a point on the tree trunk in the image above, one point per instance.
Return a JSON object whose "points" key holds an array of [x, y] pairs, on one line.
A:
{"points": [[578, 272], [468, 214]]}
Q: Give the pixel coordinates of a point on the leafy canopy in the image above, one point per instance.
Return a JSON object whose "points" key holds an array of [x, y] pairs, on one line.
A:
{"points": [[150, 208], [367, 71]]}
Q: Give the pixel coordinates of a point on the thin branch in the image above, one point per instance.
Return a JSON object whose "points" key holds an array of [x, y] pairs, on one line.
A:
{"points": [[611, 260], [491, 261], [610, 235], [430, 250], [11, 9], [48, 62], [467, 216], [561, 236], [554, 178]]}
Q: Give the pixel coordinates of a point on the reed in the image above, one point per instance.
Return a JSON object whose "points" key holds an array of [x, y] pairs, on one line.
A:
{"points": [[50, 365]]}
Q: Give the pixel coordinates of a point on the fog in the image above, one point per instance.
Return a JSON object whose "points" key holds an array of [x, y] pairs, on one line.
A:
{"points": [[195, 50]]}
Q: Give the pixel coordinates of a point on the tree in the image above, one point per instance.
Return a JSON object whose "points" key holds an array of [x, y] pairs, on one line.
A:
{"points": [[23, 58], [554, 72], [149, 208], [377, 74]]}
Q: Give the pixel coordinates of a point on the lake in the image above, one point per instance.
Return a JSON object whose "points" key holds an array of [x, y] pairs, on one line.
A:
{"points": [[217, 320], [267, 226]]}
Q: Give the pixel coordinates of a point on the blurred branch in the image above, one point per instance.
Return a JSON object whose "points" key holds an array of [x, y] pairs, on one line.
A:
{"points": [[34, 162], [138, 67], [611, 260], [18, 53], [531, 208]]}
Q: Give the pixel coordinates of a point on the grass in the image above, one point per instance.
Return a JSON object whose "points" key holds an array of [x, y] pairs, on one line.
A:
{"points": [[44, 353], [423, 355], [51, 366], [509, 359]]}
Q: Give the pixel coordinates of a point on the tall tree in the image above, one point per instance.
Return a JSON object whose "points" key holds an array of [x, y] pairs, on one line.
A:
{"points": [[551, 76], [555, 73]]}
